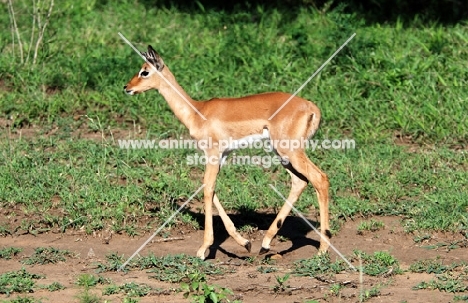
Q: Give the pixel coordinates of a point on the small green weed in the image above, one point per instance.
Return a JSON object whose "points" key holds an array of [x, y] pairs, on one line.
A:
{"points": [[199, 291], [54, 286], [318, 265], [177, 267], [335, 289], [88, 297], [380, 263], [461, 298], [266, 269], [131, 289], [114, 262], [170, 268], [136, 290], [366, 294], [19, 281], [371, 225], [281, 285], [448, 246], [429, 266], [448, 278], [4, 230], [446, 282], [47, 255], [9, 252], [131, 230], [23, 300], [247, 229], [111, 290], [421, 238], [87, 280]]}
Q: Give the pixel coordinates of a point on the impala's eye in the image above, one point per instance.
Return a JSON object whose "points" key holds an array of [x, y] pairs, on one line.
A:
{"points": [[144, 73]]}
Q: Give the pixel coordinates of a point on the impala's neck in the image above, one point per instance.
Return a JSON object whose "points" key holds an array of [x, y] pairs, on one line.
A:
{"points": [[179, 101]]}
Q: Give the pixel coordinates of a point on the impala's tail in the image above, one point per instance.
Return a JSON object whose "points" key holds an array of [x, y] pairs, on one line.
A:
{"points": [[314, 121]]}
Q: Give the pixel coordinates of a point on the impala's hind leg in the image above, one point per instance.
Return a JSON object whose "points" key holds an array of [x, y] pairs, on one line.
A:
{"points": [[302, 170], [298, 184], [319, 180]]}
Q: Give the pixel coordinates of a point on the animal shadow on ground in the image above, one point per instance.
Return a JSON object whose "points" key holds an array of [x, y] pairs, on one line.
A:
{"points": [[294, 229]]}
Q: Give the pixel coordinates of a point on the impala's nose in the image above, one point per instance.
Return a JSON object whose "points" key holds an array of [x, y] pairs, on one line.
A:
{"points": [[128, 91]]}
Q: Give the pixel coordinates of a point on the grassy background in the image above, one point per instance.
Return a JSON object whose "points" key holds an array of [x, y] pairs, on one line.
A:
{"points": [[399, 81]]}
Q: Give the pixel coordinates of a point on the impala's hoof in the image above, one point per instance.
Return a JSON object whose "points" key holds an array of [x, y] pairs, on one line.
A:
{"points": [[322, 252], [248, 246], [263, 250], [201, 254]]}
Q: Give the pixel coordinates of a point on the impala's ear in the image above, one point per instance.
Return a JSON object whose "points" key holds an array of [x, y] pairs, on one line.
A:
{"points": [[153, 57]]}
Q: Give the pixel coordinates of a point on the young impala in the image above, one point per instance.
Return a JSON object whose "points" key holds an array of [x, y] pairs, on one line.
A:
{"points": [[246, 118]]}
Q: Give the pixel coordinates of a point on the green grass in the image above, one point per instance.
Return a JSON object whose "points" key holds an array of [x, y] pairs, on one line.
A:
{"points": [[54, 286], [20, 281], [430, 266], [87, 282], [9, 252], [321, 267], [447, 283], [371, 225], [96, 185], [451, 278], [318, 265], [378, 264], [21, 299], [130, 289], [414, 73], [47, 255], [171, 268], [191, 272]]}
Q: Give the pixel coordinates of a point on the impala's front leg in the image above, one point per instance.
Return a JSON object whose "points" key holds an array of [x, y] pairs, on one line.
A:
{"points": [[209, 181]]}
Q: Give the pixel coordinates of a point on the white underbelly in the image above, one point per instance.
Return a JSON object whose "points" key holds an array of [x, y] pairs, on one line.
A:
{"points": [[226, 146], [245, 141]]}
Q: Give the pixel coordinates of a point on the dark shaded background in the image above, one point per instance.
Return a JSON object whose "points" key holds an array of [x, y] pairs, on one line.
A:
{"points": [[381, 11]]}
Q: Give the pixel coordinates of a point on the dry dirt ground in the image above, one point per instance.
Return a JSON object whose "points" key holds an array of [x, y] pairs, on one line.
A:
{"points": [[247, 283]]}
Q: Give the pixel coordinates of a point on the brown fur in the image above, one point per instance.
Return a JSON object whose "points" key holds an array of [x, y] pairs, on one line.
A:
{"points": [[235, 118]]}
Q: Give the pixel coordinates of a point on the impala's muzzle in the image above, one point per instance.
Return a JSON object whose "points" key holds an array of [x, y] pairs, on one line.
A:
{"points": [[128, 91]]}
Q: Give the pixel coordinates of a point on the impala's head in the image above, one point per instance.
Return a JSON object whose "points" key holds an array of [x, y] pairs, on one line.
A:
{"points": [[147, 78]]}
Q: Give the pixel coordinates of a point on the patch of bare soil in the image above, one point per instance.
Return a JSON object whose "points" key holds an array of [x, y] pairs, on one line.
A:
{"points": [[84, 130], [248, 284], [412, 146]]}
